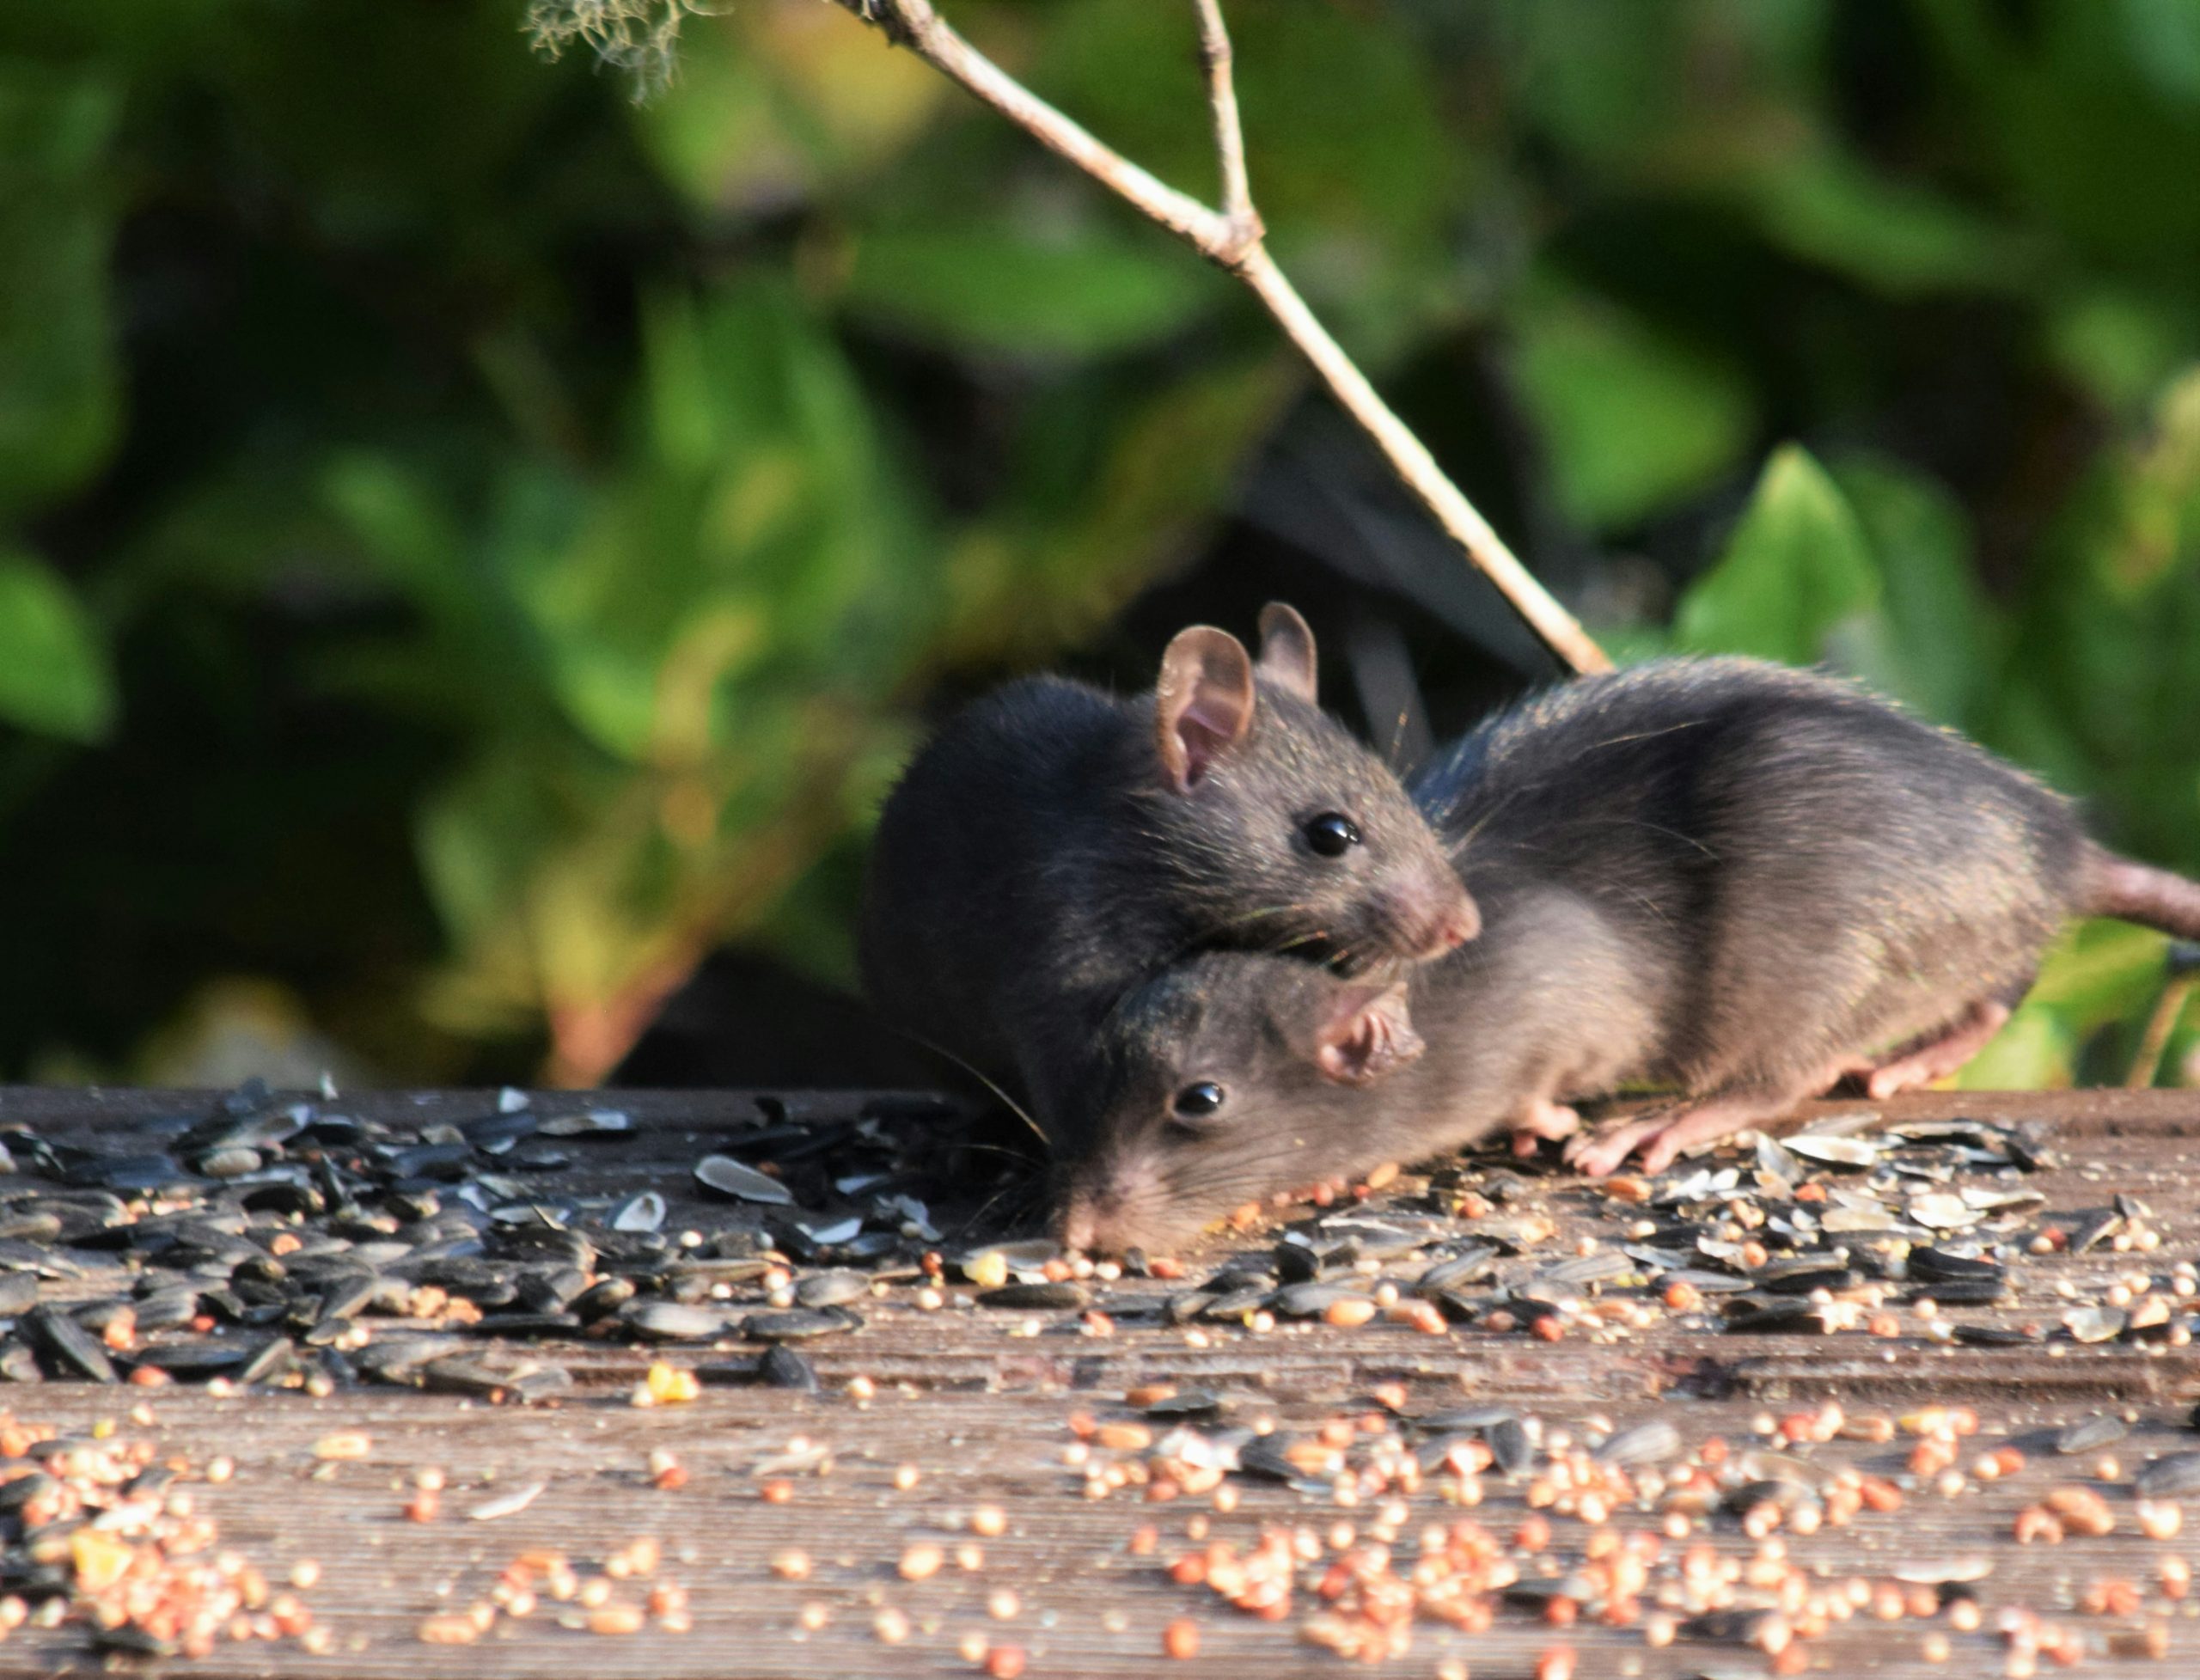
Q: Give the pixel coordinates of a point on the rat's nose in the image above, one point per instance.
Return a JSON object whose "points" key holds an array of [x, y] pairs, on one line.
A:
{"points": [[1454, 928], [1428, 922], [1078, 1224], [1461, 925]]}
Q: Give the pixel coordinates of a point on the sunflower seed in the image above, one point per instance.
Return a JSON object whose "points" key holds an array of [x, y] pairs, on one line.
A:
{"points": [[730, 1178], [1510, 1446], [2176, 1475], [799, 1325], [508, 1504], [670, 1321], [1036, 1295], [68, 1348], [2091, 1434], [2095, 1322], [644, 1212], [1651, 1443], [833, 1289]]}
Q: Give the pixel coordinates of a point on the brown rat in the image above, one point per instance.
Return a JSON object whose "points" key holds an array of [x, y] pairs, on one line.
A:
{"points": [[1730, 879], [1053, 845]]}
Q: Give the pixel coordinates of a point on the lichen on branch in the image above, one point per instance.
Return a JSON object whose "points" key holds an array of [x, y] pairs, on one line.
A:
{"points": [[640, 37]]}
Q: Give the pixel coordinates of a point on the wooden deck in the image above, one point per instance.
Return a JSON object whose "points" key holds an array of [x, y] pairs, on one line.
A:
{"points": [[981, 1401]]}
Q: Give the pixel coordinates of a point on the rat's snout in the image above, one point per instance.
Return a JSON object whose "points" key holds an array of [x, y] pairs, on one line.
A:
{"points": [[1113, 1205], [1429, 922], [1454, 930], [1080, 1222]]}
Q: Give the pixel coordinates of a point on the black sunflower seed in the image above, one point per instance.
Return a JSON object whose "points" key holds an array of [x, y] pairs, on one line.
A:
{"points": [[68, 1348], [1028, 1296], [799, 1324]]}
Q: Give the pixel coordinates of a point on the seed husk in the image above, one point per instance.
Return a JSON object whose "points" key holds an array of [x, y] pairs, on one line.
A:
{"points": [[2174, 1476], [833, 1289], [1035, 1296], [730, 1178], [673, 1321], [69, 1349], [2091, 1434], [799, 1324], [1647, 1443]]}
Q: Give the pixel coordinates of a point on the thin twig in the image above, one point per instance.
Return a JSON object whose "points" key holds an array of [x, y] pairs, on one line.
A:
{"points": [[1229, 136], [1560, 632], [1231, 238], [914, 24]]}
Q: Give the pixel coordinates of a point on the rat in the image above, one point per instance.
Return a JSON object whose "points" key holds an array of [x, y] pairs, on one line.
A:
{"points": [[1730, 879], [1054, 844], [1236, 1075], [1811, 874]]}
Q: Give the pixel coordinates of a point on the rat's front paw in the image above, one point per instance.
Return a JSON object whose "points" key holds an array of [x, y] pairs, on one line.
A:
{"points": [[1542, 1119]]}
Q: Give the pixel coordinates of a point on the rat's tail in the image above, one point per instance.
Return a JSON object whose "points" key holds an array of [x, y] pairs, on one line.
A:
{"points": [[2111, 886]]}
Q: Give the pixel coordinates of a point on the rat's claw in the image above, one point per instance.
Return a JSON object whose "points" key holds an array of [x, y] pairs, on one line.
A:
{"points": [[1660, 1149], [1600, 1156]]}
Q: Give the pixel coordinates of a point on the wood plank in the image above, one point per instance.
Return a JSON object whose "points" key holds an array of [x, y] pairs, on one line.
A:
{"points": [[981, 1402]]}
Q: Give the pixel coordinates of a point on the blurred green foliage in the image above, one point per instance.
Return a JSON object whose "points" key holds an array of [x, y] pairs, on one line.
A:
{"points": [[470, 541]]}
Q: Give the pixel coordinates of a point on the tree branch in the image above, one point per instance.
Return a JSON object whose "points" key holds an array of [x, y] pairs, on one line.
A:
{"points": [[1231, 238], [1229, 138]]}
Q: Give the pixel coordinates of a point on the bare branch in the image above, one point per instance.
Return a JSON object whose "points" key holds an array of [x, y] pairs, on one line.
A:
{"points": [[914, 24], [1231, 238], [1229, 136], [1558, 629]]}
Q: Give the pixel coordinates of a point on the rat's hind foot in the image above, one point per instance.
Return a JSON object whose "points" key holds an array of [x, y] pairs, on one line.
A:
{"points": [[1541, 1119], [1662, 1136], [1939, 1057]]}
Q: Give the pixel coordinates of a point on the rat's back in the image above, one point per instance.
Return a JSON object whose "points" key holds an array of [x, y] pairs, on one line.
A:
{"points": [[1817, 870], [959, 869]]}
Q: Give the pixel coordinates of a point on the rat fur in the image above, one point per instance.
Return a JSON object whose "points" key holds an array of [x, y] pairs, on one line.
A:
{"points": [[1053, 845], [1727, 878]]}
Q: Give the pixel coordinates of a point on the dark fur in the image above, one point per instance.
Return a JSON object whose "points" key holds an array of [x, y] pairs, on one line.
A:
{"points": [[1805, 872], [1728, 878], [1540, 1000], [1035, 863]]}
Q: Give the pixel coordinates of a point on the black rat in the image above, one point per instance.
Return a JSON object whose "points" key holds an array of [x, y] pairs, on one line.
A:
{"points": [[1054, 845], [1236, 1075], [1731, 879]]}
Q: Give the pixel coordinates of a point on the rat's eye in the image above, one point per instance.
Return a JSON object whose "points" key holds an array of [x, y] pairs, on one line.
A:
{"points": [[1331, 835], [1199, 1101]]}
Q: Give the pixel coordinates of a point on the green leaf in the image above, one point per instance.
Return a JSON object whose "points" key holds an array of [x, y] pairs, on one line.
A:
{"points": [[60, 386], [1826, 206], [2098, 974], [1939, 627], [2119, 347], [1636, 421], [754, 540], [2036, 1051], [775, 104], [55, 677], [2087, 117], [1023, 587], [1797, 579], [1003, 291]]}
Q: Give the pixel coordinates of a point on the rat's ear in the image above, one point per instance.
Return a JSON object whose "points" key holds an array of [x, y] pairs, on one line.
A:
{"points": [[1287, 650], [1203, 703], [1369, 1035]]}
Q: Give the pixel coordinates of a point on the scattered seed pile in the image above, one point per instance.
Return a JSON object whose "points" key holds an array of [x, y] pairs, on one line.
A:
{"points": [[106, 1533], [277, 1244], [293, 1244]]}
